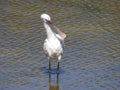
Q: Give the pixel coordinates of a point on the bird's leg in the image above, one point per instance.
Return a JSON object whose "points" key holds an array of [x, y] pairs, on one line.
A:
{"points": [[49, 65], [58, 64], [58, 67]]}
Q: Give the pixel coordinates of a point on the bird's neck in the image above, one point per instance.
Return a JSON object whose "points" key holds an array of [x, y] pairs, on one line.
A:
{"points": [[59, 32], [49, 31]]}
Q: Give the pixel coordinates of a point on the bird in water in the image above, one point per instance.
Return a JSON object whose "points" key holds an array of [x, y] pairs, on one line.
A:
{"points": [[54, 43]]}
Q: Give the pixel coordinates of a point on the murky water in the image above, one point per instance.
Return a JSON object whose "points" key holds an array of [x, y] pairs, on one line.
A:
{"points": [[91, 60]]}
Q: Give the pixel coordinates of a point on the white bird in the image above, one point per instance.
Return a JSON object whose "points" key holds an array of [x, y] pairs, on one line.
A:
{"points": [[54, 43]]}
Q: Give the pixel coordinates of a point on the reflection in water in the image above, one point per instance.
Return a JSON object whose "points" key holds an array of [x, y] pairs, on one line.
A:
{"points": [[53, 82]]}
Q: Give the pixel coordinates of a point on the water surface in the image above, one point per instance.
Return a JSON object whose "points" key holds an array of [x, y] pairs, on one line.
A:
{"points": [[91, 59]]}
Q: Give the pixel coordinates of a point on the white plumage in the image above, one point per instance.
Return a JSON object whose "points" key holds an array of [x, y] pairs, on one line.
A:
{"points": [[54, 43], [53, 48]]}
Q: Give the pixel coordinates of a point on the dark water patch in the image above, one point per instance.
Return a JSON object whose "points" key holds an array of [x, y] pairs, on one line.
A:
{"points": [[54, 71]]}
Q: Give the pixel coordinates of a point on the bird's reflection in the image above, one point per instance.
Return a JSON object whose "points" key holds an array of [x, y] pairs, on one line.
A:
{"points": [[54, 82]]}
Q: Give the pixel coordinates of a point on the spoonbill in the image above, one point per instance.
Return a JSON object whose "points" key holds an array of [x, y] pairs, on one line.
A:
{"points": [[54, 42]]}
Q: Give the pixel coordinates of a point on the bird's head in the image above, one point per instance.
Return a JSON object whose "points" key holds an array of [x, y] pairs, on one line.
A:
{"points": [[45, 17]]}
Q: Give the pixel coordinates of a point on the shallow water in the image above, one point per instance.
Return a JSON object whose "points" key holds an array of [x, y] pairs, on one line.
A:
{"points": [[91, 59]]}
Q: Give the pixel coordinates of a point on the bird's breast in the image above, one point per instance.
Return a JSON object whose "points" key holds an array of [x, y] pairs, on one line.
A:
{"points": [[53, 47], [54, 43]]}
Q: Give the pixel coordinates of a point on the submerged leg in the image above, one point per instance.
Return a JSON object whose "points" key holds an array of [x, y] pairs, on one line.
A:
{"points": [[49, 65]]}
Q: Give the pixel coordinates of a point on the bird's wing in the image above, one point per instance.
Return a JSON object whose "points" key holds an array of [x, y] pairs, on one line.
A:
{"points": [[61, 41]]}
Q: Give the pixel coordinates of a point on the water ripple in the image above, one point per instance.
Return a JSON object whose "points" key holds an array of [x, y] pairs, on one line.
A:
{"points": [[91, 56]]}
